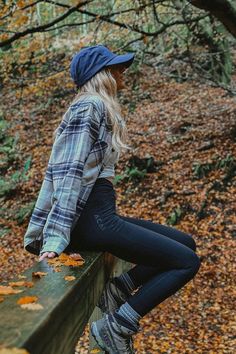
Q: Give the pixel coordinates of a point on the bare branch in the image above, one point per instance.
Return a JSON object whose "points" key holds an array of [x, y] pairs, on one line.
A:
{"points": [[45, 26]]}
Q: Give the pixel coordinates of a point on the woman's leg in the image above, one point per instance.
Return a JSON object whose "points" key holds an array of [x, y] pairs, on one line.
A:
{"points": [[137, 244], [140, 273], [175, 234]]}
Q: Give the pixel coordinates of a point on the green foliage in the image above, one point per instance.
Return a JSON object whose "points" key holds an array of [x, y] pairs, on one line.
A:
{"points": [[3, 127], [10, 157], [137, 169], [218, 63], [4, 231], [175, 216], [24, 212], [18, 215], [9, 152], [132, 106], [180, 40], [132, 174], [201, 170]]}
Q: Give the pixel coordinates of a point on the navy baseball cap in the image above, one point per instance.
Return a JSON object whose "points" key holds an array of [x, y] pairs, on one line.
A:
{"points": [[90, 60]]}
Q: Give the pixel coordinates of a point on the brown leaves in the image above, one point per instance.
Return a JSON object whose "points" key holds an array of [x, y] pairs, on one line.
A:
{"points": [[29, 303], [74, 260], [28, 284], [27, 300], [38, 275], [8, 290], [69, 277], [200, 317]]}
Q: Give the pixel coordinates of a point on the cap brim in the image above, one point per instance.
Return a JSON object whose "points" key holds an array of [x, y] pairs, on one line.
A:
{"points": [[125, 59]]}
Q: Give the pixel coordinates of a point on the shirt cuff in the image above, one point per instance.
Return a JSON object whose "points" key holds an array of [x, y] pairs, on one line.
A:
{"points": [[53, 245]]}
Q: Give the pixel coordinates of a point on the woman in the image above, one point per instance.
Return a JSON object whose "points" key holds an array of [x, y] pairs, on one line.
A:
{"points": [[164, 257]]}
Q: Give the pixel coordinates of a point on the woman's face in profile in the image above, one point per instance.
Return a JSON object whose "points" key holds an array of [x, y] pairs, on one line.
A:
{"points": [[117, 72]]}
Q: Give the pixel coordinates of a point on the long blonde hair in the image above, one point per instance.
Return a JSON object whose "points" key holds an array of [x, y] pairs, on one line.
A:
{"points": [[104, 85]]}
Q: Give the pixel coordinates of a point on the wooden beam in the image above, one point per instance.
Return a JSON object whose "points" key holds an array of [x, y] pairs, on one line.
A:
{"points": [[67, 306]]}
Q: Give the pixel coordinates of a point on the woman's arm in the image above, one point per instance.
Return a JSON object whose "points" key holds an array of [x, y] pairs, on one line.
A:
{"points": [[69, 153]]}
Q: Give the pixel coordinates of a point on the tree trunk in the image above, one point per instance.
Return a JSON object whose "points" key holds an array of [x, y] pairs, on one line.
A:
{"points": [[223, 10]]}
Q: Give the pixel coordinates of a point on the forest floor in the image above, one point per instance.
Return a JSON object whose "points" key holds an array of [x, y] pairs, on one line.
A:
{"points": [[189, 129]]}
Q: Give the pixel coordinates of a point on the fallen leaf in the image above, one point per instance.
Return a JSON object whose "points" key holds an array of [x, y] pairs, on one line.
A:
{"points": [[29, 284], [38, 274], [67, 260], [8, 290], [76, 257], [69, 277], [32, 306], [57, 269], [27, 300], [70, 262]]}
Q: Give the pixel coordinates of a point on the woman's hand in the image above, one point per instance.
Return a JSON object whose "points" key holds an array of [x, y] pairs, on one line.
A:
{"points": [[47, 254]]}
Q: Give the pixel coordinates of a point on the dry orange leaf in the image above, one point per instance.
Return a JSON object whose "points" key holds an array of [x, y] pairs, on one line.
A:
{"points": [[70, 262], [27, 300], [22, 276], [38, 274], [69, 277], [57, 269], [54, 261], [76, 257], [8, 290], [1, 299], [29, 284], [62, 256]]}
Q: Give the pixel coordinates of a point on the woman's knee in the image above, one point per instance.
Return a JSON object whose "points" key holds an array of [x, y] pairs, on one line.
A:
{"points": [[191, 243], [194, 263]]}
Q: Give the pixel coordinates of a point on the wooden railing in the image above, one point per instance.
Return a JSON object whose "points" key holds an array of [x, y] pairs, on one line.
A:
{"points": [[66, 306]]}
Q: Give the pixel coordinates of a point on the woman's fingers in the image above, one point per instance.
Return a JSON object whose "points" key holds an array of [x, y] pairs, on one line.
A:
{"points": [[44, 255], [47, 254], [51, 254]]}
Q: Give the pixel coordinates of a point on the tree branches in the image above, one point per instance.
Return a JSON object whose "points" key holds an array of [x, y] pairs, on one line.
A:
{"points": [[42, 28], [158, 25], [223, 10]]}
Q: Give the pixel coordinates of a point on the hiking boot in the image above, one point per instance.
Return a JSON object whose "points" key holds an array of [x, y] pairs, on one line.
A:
{"points": [[111, 336], [111, 298]]}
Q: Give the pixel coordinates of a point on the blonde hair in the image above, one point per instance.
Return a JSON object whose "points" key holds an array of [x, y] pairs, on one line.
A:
{"points": [[104, 85]]}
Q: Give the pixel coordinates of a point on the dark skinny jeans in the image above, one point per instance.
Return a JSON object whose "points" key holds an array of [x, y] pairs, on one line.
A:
{"points": [[164, 257]]}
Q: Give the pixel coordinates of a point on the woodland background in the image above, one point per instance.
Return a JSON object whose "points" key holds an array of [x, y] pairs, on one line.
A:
{"points": [[179, 104]]}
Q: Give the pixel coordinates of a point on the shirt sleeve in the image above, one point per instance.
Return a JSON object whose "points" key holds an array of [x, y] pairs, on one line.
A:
{"points": [[69, 153]]}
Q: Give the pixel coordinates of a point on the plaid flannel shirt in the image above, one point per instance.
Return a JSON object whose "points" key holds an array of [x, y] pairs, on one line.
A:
{"points": [[78, 155]]}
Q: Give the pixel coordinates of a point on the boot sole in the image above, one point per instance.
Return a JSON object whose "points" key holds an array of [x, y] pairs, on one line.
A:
{"points": [[95, 335]]}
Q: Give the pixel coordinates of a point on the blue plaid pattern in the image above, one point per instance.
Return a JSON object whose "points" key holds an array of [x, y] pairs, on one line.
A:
{"points": [[78, 155]]}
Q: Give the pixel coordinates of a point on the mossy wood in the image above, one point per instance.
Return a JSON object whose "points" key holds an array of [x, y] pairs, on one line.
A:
{"points": [[67, 306]]}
